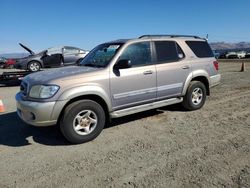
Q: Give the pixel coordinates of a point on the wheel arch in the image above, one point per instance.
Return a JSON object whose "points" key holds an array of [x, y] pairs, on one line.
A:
{"points": [[199, 75], [34, 60], [96, 98], [79, 60]]}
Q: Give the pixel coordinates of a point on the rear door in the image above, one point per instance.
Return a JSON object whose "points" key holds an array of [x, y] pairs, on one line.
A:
{"points": [[137, 84], [172, 69]]}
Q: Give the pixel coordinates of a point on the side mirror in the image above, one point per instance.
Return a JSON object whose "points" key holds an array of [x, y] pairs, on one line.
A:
{"points": [[123, 64]]}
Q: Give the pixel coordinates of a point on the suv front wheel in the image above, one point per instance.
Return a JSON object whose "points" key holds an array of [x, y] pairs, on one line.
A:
{"points": [[195, 96], [82, 121]]}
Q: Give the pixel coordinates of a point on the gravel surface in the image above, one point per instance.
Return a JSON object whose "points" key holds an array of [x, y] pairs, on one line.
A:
{"points": [[168, 147]]}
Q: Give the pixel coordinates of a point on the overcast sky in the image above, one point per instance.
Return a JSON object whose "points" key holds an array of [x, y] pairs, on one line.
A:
{"points": [[45, 23]]}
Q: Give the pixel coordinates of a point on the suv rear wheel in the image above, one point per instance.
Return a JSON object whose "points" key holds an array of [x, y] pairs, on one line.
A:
{"points": [[82, 121], [195, 96]]}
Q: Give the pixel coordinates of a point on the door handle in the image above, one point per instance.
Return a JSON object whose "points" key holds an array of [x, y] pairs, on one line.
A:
{"points": [[148, 72], [185, 67]]}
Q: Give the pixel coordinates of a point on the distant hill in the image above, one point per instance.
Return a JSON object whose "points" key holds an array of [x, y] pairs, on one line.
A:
{"points": [[14, 55], [230, 46]]}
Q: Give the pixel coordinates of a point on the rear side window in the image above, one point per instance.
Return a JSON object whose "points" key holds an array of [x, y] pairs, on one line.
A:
{"points": [[168, 51], [71, 51], [200, 48]]}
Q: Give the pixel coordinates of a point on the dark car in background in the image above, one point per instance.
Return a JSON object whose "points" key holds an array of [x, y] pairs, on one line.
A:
{"points": [[223, 55], [52, 57]]}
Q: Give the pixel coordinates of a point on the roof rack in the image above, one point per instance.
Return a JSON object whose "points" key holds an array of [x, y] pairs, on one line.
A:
{"points": [[171, 36]]}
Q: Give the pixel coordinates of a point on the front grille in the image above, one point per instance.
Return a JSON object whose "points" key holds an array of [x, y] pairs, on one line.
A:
{"points": [[24, 88]]}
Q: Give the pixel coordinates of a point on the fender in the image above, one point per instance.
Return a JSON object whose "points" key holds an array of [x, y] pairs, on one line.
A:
{"points": [[192, 75], [86, 90]]}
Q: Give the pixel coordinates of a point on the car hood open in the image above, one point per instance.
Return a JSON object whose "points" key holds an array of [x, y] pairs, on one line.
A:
{"points": [[26, 48]]}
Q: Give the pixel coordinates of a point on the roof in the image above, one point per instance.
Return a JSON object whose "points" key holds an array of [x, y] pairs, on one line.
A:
{"points": [[159, 37], [170, 36]]}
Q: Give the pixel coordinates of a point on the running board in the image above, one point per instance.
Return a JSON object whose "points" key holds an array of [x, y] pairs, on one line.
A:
{"points": [[144, 107]]}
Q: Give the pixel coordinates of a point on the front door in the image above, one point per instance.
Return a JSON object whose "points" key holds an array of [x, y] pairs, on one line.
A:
{"points": [[137, 84], [52, 60]]}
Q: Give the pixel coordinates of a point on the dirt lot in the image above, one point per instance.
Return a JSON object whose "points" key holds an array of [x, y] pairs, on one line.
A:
{"points": [[167, 147]]}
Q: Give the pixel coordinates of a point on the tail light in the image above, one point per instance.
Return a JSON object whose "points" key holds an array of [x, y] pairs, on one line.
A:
{"points": [[216, 65]]}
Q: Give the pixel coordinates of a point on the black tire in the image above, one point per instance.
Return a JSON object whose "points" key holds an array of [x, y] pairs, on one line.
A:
{"points": [[69, 120], [191, 101], [34, 66]]}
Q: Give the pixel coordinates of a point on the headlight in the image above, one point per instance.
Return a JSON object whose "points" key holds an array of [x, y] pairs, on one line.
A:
{"points": [[43, 92]]}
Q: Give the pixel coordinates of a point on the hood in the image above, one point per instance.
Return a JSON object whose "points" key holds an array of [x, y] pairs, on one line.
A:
{"points": [[44, 77], [26, 48]]}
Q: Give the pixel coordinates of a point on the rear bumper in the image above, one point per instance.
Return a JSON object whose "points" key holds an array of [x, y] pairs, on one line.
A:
{"points": [[215, 80]]}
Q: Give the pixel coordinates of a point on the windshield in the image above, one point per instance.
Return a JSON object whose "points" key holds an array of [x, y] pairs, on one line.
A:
{"points": [[101, 55]]}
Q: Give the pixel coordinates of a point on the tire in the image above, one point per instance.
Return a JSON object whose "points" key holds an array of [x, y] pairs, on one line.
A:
{"points": [[82, 121], [195, 96], [34, 66]]}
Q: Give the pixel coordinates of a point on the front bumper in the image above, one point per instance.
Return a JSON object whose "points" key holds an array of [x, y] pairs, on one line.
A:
{"points": [[38, 113], [215, 80], [20, 66]]}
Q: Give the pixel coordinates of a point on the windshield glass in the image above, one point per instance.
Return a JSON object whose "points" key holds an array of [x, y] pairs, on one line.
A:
{"points": [[101, 55]]}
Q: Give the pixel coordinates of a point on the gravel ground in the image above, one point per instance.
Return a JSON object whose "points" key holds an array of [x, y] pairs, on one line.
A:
{"points": [[167, 147]]}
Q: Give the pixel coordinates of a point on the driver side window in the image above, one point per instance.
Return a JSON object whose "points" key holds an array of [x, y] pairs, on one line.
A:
{"points": [[139, 54]]}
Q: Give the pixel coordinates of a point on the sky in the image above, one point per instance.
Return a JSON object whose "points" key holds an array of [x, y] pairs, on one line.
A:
{"points": [[41, 24]]}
